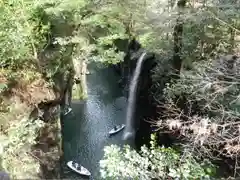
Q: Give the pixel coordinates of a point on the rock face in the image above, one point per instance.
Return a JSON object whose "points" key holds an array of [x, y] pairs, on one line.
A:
{"points": [[145, 108], [32, 130]]}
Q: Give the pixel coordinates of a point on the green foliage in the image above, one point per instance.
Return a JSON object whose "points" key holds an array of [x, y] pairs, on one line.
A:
{"points": [[211, 86], [94, 30], [94, 26], [19, 135], [16, 146], [29, 27], [82, 30], [156, 162], [3, 87], [19, 32]]}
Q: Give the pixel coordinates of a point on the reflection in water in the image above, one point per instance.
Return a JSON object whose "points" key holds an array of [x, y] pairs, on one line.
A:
{"points": [[85, 130]]}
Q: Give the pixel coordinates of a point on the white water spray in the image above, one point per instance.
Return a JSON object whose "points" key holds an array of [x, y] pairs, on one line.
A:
{"points": [[129, 132]]}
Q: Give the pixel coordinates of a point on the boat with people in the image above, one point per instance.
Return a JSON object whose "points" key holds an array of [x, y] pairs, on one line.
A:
{"points": [[78, 168], [116, 129], [67, 110]]}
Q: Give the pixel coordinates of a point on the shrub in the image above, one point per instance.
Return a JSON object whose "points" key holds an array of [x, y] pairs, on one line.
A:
{"points": [[154, 162]]}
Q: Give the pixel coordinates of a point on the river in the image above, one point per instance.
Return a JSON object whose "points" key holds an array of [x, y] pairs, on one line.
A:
{"points": [[85, 130]]}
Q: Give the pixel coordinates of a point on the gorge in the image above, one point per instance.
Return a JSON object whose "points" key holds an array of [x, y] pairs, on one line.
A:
{"points": [[169, 70], [85, 130]]}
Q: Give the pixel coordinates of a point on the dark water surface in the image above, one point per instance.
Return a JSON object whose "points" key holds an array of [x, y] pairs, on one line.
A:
{"points": [[85, 130]]}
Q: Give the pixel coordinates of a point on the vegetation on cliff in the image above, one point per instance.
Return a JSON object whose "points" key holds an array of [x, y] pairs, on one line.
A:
{"points": [[29, 142], [48, 44], [152, 163], [20, 130], [199, 106], [45, 46]]}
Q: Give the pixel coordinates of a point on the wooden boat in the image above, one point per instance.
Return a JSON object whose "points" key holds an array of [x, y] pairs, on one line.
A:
{"points": [[117, 129], [78, 168]]}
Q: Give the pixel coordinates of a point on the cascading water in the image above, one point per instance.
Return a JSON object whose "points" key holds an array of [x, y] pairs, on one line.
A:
{"points": [[129, 132]]}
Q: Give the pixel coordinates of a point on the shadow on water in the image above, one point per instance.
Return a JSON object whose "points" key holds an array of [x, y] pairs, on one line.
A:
{"points": [[85, 130]]}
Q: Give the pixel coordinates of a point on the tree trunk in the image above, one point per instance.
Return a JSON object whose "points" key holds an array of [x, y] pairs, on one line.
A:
{"points": [[177, 38], [232, 38]]}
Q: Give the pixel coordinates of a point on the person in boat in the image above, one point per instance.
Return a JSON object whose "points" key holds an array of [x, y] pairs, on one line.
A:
{"points": [[79, 168], [75, 164], [67, 110], [115, 128]]}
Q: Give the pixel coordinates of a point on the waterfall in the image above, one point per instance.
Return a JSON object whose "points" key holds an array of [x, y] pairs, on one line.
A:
{"points": [[129, 132]]}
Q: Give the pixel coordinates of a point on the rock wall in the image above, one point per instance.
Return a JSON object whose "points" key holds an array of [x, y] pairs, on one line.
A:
{"points": [[30, 138]]}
